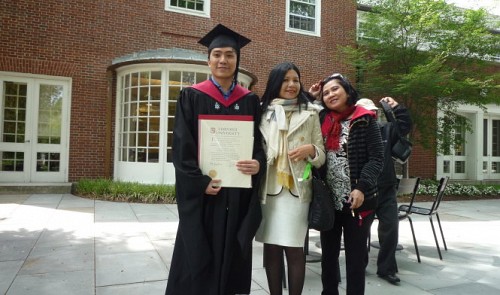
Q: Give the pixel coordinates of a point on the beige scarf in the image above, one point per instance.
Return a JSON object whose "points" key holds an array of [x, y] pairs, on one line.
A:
{"points": [[279, 114]]}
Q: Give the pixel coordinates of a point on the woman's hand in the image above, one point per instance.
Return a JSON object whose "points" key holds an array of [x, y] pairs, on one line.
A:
{"points": [[249, 167], [315, 89], [303, 152], [390, 101], [356, 199]]}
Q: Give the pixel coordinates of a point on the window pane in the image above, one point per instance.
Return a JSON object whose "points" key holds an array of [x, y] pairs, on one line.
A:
{"points": [[459, 166], [153, 155], [187, 79], [301, 8], [485, 137], [460, 137], [302, 23], [446, 166], [154, 140], [50, 114], [14, 112], [12, 161], [188, 4], [495, 167], [200, 77], [495, 141], [47, 162]]}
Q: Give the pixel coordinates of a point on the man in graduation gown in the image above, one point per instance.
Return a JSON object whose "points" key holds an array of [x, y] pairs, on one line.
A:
{"points": [[213, 248]]}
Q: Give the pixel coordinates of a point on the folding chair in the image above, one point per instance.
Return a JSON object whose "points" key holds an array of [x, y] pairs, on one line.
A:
{"points": [[407, 186], [410, 209]]}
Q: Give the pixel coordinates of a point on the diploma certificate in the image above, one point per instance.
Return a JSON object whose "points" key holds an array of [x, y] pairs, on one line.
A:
{"points": [[224, 140]]}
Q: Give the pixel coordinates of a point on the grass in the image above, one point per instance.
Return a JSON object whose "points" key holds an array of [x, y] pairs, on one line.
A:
{"points": [[109, 190]]}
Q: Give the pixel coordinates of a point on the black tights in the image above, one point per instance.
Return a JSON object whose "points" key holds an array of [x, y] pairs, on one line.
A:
{"points": [[273, 262]]}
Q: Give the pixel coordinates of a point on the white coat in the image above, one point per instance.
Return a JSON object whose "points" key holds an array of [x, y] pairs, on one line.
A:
{"points": [[304, 128]]}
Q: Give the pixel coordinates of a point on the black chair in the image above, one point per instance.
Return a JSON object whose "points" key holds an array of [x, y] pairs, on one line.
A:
{"points": [[408, 186], [408, 210]]}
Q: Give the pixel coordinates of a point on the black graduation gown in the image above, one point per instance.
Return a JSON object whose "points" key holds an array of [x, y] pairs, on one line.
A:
{"points": [[213, 248]]}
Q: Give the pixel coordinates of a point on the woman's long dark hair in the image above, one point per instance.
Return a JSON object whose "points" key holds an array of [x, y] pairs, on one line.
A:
{"points": [[274, 82]]}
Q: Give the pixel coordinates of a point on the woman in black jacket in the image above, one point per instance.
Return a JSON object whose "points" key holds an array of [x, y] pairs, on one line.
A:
{"points": [[354, 161]]}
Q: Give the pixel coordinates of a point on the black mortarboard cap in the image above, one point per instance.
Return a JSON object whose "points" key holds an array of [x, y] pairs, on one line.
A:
{"points": [[221, 36]]}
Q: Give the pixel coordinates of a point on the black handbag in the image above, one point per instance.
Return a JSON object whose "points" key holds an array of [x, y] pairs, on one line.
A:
{"points": [[322, 208], [401, 150]]}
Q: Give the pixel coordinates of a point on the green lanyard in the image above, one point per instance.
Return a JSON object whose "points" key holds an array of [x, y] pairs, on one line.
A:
{"points": [[307, 171]]}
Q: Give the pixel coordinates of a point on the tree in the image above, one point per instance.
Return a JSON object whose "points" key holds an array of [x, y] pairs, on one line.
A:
{"points": [[431, 56]]}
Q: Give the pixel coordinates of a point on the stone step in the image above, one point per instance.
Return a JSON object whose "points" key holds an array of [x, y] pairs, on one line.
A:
{"points": [[36, 188]]}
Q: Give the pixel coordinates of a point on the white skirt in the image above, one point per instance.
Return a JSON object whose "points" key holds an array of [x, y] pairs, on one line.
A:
{"points": [[284, 221]]}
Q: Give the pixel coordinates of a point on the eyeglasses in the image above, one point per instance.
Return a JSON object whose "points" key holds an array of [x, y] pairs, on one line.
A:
{"points": [[333, 76]]}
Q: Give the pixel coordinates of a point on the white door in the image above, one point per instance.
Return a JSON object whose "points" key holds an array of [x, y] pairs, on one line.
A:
{"points": [[34, 129], [454, 164], [491, 148]]}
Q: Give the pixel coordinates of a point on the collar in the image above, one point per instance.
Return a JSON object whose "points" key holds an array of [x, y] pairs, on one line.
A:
{"points": [[227, 94], [211, 90]]}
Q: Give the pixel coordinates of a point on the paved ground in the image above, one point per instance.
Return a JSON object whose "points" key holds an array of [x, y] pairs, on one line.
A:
{"points": [[63, 244]]}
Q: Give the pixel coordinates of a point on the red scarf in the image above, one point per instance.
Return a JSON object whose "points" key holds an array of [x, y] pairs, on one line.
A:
{"points": [[331, 127]]}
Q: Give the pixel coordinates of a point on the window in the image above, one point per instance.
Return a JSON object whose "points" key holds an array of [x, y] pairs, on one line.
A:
{"points": [[446, 166], [485, 137], [14, 112], [494, 167], [459, 140], [178, 80], [362, 26], [146, 99], [140, 121], [193, 7], [459, 166], [49, 114], [303, 16], [495, 141]]}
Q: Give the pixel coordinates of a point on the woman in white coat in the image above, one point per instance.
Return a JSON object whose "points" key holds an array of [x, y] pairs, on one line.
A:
{"points": [[292, 138]]}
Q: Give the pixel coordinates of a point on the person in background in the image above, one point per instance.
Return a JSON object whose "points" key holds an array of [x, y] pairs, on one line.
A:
{"points": [[387, 207], [213, 248], [354, 161], [292, 138]]}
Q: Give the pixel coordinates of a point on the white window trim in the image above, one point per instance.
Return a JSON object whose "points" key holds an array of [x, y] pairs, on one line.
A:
{"points": [[317, 24], [205, 13]]}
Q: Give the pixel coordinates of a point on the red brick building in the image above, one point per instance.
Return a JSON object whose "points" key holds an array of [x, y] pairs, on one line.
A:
{"points": [[88, 88]]}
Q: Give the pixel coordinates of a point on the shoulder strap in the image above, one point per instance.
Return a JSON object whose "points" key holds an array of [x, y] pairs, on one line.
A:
{"points": [[389, 114]]}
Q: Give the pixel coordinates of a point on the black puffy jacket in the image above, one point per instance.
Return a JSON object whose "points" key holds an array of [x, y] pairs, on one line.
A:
{"points": [[365, 153]]}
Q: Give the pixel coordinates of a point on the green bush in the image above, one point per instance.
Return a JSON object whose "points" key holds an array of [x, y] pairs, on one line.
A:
{"points": [[429, 187], [109, 190]]}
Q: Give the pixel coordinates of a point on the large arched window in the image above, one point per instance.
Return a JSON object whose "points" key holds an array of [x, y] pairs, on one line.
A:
{"points": [[145, 115]]}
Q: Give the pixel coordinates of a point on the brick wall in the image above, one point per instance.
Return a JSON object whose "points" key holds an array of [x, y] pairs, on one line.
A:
{"points": [[422, 163], [79, 39]]}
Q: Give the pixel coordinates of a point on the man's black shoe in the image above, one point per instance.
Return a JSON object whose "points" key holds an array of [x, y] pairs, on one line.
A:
{"points": [[393, 279]]}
